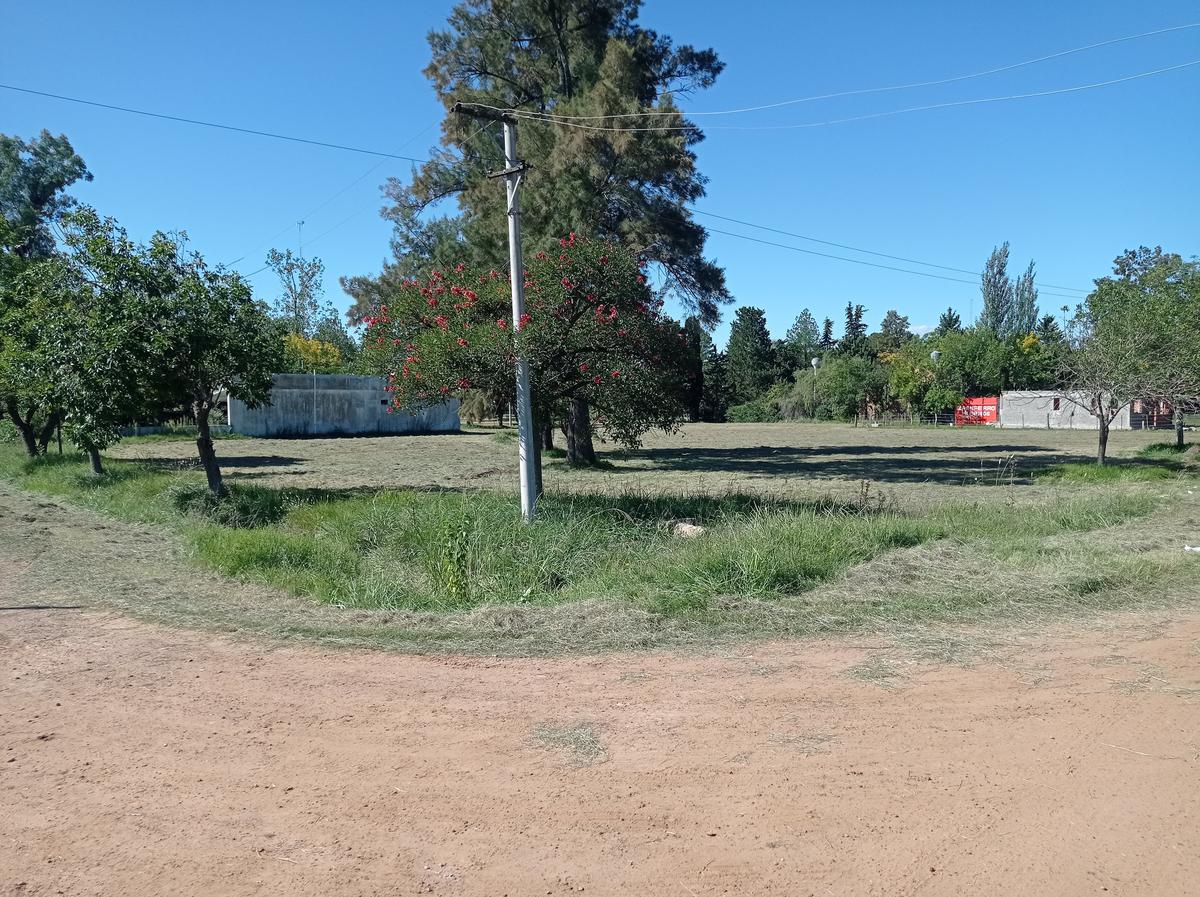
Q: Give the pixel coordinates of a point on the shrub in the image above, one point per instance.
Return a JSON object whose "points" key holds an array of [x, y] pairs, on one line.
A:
{"points": [[760, 411]]}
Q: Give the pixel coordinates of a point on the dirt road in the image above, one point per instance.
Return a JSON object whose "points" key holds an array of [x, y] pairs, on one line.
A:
{"points": [[142, 760]]}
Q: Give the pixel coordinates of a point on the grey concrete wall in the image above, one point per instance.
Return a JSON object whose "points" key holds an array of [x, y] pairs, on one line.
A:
{"points": [[336, 405], [1035, 408]]}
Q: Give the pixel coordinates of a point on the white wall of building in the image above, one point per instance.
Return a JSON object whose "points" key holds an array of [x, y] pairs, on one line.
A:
{"points": [[336, 405]]}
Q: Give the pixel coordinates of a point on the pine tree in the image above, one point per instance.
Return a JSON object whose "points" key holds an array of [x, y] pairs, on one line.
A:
{"points": [[694, 388], [827, 340], [715, 398], [749, 358], [854, 339], [561, 58], [949, 322], [1048, 329]]}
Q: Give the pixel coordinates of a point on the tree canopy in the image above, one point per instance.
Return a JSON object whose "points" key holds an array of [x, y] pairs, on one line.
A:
{"points": [[749, 361], [584, 58], [593, 332]]}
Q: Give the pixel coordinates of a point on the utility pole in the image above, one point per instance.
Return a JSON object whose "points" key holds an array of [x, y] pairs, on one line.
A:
{"points": [[513, 169]]}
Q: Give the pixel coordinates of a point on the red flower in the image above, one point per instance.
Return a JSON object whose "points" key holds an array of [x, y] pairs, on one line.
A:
{"points": [[583, 368], [524, 319], [442, 321], [641, 278], [616, 374], [604, 259], [462, 342], [501, 323], [597, 379], [432, 303], [566, 283], [459, 267], [464, 383], [443, 390]]}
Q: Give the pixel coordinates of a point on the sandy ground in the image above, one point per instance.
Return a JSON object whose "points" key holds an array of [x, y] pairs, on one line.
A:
{"points": [[144, 760]]}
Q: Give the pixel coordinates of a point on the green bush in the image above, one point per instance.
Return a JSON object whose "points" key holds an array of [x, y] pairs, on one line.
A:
{"points": [[760, 411]]}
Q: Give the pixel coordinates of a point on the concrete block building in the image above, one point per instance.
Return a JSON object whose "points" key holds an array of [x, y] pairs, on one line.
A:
{"points": [[336, 405], [1056, 411]]}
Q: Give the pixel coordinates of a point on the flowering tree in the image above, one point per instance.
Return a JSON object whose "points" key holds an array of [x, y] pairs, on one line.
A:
{"points": [[598, 345]]}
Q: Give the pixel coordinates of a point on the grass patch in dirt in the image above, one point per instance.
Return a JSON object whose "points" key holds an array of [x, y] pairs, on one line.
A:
{"points": [[440, 551], [456, 570], [579, 740]]}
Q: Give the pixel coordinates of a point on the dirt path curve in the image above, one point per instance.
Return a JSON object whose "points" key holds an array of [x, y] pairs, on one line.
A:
{"points": [[143, 760]]}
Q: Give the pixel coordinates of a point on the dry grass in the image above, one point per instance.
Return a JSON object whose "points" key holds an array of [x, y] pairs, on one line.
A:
{"points": [[578, 740], [793, 460]]}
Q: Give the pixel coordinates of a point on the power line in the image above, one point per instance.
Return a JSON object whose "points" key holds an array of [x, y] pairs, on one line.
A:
{"points": [[842, 258], [210, 124], [894, 87], [550, 119], [330, 199], [357, 212], [896, 258]]}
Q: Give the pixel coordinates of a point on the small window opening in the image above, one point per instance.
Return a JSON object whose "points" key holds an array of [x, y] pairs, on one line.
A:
{"points": [[1057, 404]]}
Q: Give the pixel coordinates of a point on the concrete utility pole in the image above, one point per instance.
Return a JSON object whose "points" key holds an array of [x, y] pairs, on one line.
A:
{"points": [[513, 169]]}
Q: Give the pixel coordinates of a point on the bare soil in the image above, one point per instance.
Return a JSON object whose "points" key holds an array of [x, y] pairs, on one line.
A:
{"points": [[139, 759]]}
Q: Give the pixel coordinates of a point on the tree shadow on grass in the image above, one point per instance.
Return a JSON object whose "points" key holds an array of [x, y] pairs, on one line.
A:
{"points": [[225, 460], [979, 464]]}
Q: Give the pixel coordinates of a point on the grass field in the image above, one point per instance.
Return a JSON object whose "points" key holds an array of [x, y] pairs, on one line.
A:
{"points": [[413, 542]]}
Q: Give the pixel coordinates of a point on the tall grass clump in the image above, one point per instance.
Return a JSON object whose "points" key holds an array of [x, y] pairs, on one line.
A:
{"points": [[432, 552]]}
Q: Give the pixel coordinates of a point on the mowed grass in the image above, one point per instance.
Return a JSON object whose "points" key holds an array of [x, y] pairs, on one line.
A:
{"points": [[449, 551]]}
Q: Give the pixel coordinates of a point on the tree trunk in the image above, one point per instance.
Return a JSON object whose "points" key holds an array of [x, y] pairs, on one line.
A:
{"points": [[96, 464], [47, 432], [538, 488], [1179, 442], [208, 456], [24, 427], [1102, 450], [547, 434], [579, 433]]}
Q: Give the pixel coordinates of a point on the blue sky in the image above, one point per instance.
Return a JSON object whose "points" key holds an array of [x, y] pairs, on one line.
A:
{"points": [[1069, 180]]}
